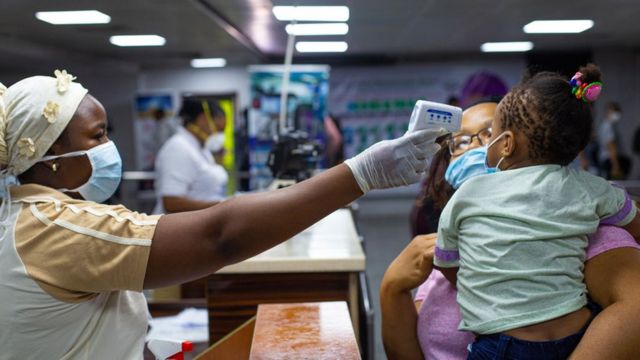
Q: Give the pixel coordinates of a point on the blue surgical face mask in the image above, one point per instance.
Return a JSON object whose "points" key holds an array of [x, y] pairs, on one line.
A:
{"points": [[466, 166], [106, 171], [490, 169]]}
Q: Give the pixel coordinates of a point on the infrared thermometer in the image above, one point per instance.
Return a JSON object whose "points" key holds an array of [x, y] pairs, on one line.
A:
{"points": [[433, 115]]}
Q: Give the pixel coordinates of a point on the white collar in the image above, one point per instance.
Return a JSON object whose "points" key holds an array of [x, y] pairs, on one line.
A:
{"points": [[190, 138]]}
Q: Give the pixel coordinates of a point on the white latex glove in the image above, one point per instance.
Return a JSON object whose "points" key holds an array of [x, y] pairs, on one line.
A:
{"points": [[396, 162]]}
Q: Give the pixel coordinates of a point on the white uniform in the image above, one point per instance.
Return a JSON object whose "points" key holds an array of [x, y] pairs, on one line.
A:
{"points": [[184, 168], [71, 276]]}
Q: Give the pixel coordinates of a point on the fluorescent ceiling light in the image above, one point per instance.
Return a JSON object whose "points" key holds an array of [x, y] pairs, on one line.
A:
{"points": [[321, 46], [557, 26], [208, 62], [515, 46], [317, 29], [311, 13], [73, 17], [137, 40]]}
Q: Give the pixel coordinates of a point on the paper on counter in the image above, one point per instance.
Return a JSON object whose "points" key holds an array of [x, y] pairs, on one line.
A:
{"points": [[191, 324]]}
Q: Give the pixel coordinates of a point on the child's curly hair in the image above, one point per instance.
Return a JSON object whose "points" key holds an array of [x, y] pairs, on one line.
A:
{"points": [[542, 107]]}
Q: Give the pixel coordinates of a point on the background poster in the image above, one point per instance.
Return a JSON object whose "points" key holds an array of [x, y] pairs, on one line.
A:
{"points": [[306, 109], [374, 104]]}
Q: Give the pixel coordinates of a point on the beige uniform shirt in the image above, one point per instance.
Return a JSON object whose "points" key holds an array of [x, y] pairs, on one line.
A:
{"points": [[71, 276]]}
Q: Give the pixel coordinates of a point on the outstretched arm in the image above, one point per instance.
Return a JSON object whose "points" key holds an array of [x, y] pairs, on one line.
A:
{"points": [[193, 244], [175, 204], [190, 245]]}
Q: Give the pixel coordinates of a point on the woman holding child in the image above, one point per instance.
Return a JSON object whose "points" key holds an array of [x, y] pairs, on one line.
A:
{"points": [[521, 241]]}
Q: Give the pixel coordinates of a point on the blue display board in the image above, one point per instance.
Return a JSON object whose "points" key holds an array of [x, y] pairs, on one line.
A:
{"points": [[306, 108]]}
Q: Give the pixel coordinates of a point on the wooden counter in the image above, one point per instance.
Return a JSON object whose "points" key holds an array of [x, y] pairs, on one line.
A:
{"points": [[320, 264], [304, 331], [290, 331]]}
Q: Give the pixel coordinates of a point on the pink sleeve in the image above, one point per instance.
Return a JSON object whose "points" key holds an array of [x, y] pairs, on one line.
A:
{"points": [[423, 289], [608, 238], [435, 279]]}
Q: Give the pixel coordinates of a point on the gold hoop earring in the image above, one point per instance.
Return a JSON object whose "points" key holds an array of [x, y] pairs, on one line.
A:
{"points": [[54, 167]]}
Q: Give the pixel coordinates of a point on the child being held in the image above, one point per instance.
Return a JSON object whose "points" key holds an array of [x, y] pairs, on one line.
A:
{"points": [[517, 237]]}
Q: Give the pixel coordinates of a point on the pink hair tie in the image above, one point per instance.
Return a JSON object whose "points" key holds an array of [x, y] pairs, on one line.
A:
{"points": [[583, 91], [592, 92]]}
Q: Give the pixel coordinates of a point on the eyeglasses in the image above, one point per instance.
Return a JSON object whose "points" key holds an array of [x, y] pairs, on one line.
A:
{"points": [[459, 144]]}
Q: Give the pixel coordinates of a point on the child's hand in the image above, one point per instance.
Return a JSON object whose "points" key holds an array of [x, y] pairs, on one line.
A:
{"points": [[412, 267]]}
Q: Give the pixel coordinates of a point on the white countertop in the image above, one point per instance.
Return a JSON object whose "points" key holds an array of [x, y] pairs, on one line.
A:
{"points": [[331, 245]]}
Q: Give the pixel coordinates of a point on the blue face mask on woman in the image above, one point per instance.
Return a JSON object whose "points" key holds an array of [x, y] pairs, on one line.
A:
{"points": [[468, 165], [106, 171]]}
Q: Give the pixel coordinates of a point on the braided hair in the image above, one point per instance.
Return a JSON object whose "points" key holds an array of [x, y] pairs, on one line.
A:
{"points": [[542, 107]]}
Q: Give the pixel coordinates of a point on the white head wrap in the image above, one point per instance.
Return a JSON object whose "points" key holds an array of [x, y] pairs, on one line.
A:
{"points": [[35, 112]]}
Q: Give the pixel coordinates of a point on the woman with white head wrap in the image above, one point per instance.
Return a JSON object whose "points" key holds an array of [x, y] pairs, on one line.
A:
{"points": [[37, 110], [72, 269], [38, 116]]}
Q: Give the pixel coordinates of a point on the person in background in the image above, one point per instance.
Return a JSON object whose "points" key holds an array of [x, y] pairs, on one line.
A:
{"points": [[215, 145], [481, 85], [612, 163], [587, 160], [187, 176], [163, 130], [72, 269]]}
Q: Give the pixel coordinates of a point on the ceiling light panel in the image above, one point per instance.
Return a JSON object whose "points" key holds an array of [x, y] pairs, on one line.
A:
{"points": [[73, 17], [311, 13], [208, 63], [513, 46], [557, 26], [317, 29], [137, 40], [321, 46]]}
